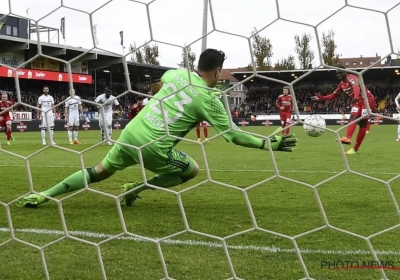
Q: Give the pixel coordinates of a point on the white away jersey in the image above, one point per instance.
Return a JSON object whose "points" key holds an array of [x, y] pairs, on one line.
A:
{"points": [[73, 105], [46, 102], [108, 109], [397, 100]]}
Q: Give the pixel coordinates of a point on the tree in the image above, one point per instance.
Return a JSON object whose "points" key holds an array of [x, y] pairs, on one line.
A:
{"points": [[191, 57], [147, 55], [287, 63], [137, 55], [262, 51], [303, 49], [329, 54]]}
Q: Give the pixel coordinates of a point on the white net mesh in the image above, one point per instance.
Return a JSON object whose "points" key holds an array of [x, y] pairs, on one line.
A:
{"points": [[130, 234]]}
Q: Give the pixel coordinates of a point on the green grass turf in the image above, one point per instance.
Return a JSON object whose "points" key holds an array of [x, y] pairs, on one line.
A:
{"points": [[352, 202]]}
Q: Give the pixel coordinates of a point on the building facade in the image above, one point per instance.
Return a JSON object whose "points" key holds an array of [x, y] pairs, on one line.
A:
{"points": [[14, 26], [238, 93], [359, 62]]}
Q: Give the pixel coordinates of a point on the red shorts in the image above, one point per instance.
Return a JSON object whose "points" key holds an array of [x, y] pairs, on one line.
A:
{"points": [[4, 123], [360, 109], [285, 116]]}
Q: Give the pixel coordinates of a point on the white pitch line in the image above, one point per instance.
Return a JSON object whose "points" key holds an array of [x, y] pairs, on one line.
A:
{"points": [[267, 249], [219, 170]]}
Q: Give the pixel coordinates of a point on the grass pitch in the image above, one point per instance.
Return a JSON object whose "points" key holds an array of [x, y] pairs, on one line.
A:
{"points": [[362, 205]]}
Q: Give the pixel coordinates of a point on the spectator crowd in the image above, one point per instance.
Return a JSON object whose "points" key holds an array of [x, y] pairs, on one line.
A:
{"points": [[261, 101], [59, 91]]}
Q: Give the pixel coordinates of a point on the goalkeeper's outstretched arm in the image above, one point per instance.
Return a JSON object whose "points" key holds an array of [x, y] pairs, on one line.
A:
{"points": [[278, 143], [217, 116]]}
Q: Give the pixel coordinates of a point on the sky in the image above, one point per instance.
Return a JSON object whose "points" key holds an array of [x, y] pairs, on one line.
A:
{"points": [[175, 23]]}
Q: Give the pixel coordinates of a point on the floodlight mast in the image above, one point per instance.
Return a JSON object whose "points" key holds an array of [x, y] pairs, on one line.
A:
{"points": [[205, 23]]}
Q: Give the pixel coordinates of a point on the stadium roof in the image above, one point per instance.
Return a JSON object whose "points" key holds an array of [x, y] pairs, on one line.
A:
{"points": [[380, 73], [100, 60]]}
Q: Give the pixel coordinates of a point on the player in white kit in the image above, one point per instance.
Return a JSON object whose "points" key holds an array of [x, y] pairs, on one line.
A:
{"points": [[108, 112], [398, 116], [46, 104], [73, 113]]}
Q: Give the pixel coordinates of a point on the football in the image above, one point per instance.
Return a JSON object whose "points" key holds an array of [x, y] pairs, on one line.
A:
{"points": [[314, 125]]}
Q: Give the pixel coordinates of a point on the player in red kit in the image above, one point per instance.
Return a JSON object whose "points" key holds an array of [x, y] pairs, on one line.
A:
{"points": [[205, 131], [5, 110], [350, 86], [285, 106], [135, 109]]}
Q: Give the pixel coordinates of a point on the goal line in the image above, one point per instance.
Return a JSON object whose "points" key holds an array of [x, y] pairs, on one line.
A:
{"points": [[189, 242]]}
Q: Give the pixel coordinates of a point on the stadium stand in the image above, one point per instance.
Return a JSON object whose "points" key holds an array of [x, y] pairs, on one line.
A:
{"points": [[262, 94], [103, 69]]}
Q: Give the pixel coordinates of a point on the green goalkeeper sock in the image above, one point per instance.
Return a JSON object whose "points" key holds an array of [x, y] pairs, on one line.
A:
{"points": [[163, 181], [74, 182]]}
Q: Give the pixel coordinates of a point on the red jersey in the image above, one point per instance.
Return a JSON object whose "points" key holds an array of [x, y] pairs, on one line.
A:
{"points": [[4, 106], [134, 110], [284, 101], [352, 89]]}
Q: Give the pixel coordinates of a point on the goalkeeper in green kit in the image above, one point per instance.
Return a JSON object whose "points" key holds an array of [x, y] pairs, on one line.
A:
{"points": [[183, 110]]}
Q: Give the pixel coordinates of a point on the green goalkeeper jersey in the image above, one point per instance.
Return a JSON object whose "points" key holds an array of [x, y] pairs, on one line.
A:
{"points": [[184, 109]]}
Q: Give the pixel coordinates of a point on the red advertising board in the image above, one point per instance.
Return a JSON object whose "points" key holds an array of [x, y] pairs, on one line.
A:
{"points": [[45, 75]]}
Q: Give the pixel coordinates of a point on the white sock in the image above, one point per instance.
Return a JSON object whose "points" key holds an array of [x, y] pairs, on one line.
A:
{"points": [[43, 133], [102, 134], [51, 134], [76, 135], [109, 131], [398, 131], [69, 135]]}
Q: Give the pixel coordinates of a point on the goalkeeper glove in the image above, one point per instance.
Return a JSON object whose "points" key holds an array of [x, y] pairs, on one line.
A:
{"points": [[283, 143]]}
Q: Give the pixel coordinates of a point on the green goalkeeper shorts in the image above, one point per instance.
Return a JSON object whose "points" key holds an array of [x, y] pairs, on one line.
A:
{"points": [[156, 160]]}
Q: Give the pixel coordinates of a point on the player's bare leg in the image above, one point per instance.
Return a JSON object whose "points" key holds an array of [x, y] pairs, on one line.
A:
{"points": [[72, 183], [75, 132], [360, 137]]}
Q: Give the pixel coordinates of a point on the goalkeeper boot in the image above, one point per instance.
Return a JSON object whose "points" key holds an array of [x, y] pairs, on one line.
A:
{"points": [[31, 201], [129, 199], [352, 151], [71, 142], [8, 143]]}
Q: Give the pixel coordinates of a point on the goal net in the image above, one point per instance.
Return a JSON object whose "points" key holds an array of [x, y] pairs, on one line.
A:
{"points": [[248, 215]]}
